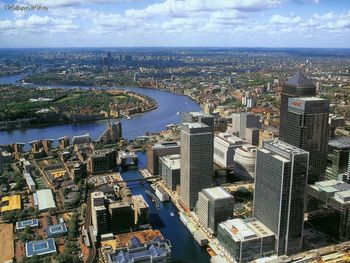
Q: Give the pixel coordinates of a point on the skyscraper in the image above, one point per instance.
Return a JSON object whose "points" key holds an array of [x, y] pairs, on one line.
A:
{"points": [[279, 197], [296, 86], [196, 161], [198, 116], [307, 128]]}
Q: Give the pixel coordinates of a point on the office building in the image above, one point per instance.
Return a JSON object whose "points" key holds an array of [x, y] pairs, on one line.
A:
{"points": [[169, 170], [99, 213], [141, 211], [224, 148], [214, 205], [252, 136], [63, 142], [296, 86], [196, 161], [307, 128], [334, 123], [102, 161], [279, 196], [244, 162], [81, 139], [157, 150], [338, 158], [198, 116], [243, 120], [246, 239], [328, 205], [121, 216]]}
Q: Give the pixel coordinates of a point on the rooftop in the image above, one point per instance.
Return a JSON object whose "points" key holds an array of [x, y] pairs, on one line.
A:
{"points": [[44, 199], [10, 203], [30, 223], [40, 247], [166, 144], [199, 114], [245, 229], [171, 161], [300, 81], [341, 142], [217, 193], [58, 229]]}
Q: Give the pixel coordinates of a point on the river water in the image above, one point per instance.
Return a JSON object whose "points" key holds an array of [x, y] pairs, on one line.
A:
{"points": [[184, 248]]}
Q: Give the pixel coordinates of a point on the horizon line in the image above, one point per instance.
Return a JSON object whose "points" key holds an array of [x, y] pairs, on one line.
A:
{"points": [[178, 47]]}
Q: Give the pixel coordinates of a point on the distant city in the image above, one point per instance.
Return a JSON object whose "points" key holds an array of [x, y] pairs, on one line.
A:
{"points": [[174, 155]]}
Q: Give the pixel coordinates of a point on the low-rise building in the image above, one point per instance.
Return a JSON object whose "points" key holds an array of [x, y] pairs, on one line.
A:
{"points": [[214, 205], [43, 199], [328, 203], [169, 170], [244, 162], [224, 148], [246, 239], [157, 150]]}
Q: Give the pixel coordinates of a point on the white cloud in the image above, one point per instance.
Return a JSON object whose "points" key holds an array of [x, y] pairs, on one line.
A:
{"points": [[278, 19]]}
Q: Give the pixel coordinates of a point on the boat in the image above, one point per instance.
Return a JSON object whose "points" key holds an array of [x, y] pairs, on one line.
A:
{"points": [[172, 214]]}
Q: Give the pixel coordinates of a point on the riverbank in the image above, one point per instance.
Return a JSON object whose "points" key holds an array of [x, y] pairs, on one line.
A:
{"points": [[56, 107]]}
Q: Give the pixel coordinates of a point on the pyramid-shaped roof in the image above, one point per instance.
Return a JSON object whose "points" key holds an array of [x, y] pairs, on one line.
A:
{"points": [[300, 81]]}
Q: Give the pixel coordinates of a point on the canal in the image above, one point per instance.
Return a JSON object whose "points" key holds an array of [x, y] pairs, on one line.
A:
{"points": [[184, 248]]}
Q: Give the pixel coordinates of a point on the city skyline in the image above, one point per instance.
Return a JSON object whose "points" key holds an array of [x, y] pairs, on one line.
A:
{"points": [[171, 23]]}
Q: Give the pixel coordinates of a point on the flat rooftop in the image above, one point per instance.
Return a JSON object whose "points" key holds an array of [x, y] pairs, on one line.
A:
{"points": [[217, 193], [30, 223], [341, 142], [166, 144], [10, 203], [58, 229], [171, 161], [194, 125], [199, 114], [241, 230], [40, 247]]}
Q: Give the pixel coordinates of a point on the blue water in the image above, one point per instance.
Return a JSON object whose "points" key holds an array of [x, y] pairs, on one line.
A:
{"points": [[184, 247]]}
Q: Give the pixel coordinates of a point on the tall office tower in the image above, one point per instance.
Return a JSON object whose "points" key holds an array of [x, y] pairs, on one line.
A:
{"points": [[307, 128], [196, 161], [157, 150], [296, 86], [194, 116], [279, 197], [338, 159], [99, 213], [214, 205]]}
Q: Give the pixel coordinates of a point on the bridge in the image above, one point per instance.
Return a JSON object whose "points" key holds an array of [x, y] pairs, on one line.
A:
{"points": [[137, 180]]}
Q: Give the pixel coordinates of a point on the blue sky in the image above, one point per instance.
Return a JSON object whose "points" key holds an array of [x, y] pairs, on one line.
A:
{"points": [[216, 23]]}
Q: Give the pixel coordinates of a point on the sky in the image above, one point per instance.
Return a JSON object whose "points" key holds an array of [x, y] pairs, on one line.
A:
{"points": [[175, 23]]}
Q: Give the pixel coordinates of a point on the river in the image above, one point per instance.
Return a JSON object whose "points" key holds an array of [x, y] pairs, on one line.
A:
{"points": [[184, 248], [169, 105]]}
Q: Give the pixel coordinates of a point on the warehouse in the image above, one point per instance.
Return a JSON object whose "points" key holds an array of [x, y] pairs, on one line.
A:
{"points": [[43, 199]]}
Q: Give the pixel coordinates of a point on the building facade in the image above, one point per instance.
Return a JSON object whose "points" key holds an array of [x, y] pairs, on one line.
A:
{"points": [[279, 196], [214, 205], [169, 170], [246, 239], [296, 86], [157, 150], [196, 161], [224, 148], [307, 128]]}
